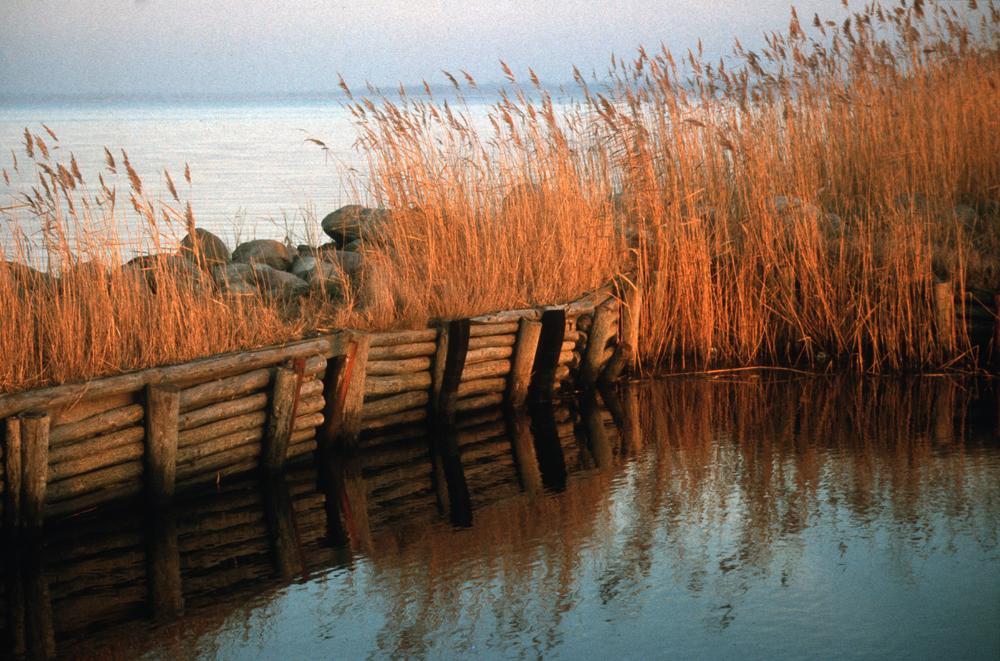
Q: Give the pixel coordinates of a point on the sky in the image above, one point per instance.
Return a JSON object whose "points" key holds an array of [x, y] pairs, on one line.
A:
{"points": [[93, 47]]}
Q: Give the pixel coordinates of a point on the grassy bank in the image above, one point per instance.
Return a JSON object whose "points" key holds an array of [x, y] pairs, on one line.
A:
{"points": [[796, 206]]}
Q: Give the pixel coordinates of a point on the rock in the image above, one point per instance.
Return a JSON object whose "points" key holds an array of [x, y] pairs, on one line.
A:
{"points": [[23, 276], [210, 249], [157, 269], [234, 278], [302, 265], [321, 275], [279, 284], [353, 222], [354, 246], [349, 262], [264, 251]]}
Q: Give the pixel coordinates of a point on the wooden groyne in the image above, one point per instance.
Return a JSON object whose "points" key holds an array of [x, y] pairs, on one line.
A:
{"points": [[162, 430]]}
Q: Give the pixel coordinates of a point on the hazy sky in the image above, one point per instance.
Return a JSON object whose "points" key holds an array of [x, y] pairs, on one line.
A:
{"points": [[227, 46]]}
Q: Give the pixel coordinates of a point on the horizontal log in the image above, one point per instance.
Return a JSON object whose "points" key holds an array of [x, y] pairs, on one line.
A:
{"points": [[79, 485], [227, 388], [302, 436], [489, 353], [485, 330], [568, 345], [95, 425], [584, 322], [399, 383], [208, 466], [94, 461], [479, 418], [569, 358], [190, 437], [467, 388], [222, 410], [310, 405], [374, 441], [302, 447], [404, 366], [195, 455], [482, 433], [480, 402], [96, 445], [563, 372], [205, 368], [507, 316], [389, 479], [413, 415], [588, 302], [492, 341], [395, 352], [392, 338], [189, 480], [394, 404], [492, 368], [79, 409], [122, 491], [394, 455], [307, 422]]}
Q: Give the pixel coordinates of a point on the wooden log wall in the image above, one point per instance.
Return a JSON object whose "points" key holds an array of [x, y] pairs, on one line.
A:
{"points": [[158, 431]]}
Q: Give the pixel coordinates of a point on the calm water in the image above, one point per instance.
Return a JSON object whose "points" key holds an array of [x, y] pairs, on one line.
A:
{"points": [[680, 519]]}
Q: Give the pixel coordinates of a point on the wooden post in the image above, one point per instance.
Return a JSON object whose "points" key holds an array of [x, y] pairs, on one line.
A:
{"points": [[627, 352], [601, 332], [525, 348], [34, 466], [39, 629], [13, 472], [547, 355], [163, 405], [996, 332], [281, 417], [288, 561], [944, 314], [519, 430], [597, 437], [343, 394], [446, 458], [163, 566], [632, 431], [449, 361], [548, 449]]}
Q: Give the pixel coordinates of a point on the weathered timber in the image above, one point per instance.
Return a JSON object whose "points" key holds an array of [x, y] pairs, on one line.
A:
{"points": [[162, 411], [105, 494], [570, 358], [944, 312], [404, 417], [79, 485], [190, 456], [393, 338], [205, 469], [311, 405], [396, 352], [562, 373], [302, 436], [132, 451], [85, 407], [547, 354], [507, 316], [108, 421], [304, 422], [343, 391], [479, 386], [522, 361], [601, 333], [486, 341], [13, 471], [519, 432], [394, 404], [502, 328], [453, 349], [191, 437], [195, 370], [486, 370], [223, 389], [588, 302], [34, 466], [404, 366], [488, 354], [163, 566], [221, 411], [399, 383], [626, 353], [479, 402], [281, 417]]}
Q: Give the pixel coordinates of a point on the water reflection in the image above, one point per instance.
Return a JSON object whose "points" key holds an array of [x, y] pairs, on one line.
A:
{"points": [[692, 517]]}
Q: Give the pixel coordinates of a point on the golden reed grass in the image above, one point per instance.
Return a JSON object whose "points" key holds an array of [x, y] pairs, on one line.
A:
{"points": [[793, 208]]}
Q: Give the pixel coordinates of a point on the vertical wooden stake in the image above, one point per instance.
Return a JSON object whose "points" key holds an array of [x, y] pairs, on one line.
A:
{"points": [[163, 566], [163, 405], [12, 471], [548, 448], [525, 348], [944, 314], [547, 355], [453, 341], [627, 351], [281, 417], [34, 466], [601, 332], [344, 394], [39, 628], [519, 429], [288, 561]]}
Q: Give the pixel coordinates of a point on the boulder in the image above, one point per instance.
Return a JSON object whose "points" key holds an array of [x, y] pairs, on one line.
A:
{"points": [[279, 284], [264, 251], [349, 262], [23, 276], [353, 222], [235, 278], [156, 270], [321, 275], [353, 246], [205, 247]]}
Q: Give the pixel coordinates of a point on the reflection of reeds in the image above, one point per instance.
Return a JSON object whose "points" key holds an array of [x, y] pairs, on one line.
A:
{"points": [[798, 206]]}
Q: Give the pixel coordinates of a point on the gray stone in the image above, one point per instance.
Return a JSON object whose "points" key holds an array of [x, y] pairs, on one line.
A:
{"points": [[354, 222], [23, 276], [156, 269], [264, 251], [279, 284], [234, 278], [354, 246], [349, 262], [211, 250]]}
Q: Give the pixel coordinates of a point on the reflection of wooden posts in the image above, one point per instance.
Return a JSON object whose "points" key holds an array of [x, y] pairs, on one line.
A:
{"points": [[34, 466], [163, 565], [597, 437], [547, 355], [525, 347], [14, 598], [447, 460], [449, 361], [163, 404], [548, 449], [626, 353], [632, 431], [343, 395], [12, 472], [601, 332], [281, 416], [944, 414], [288, 560], [519, 430], [347, 497], [944, 314], [996, 332], [29, 607]]}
